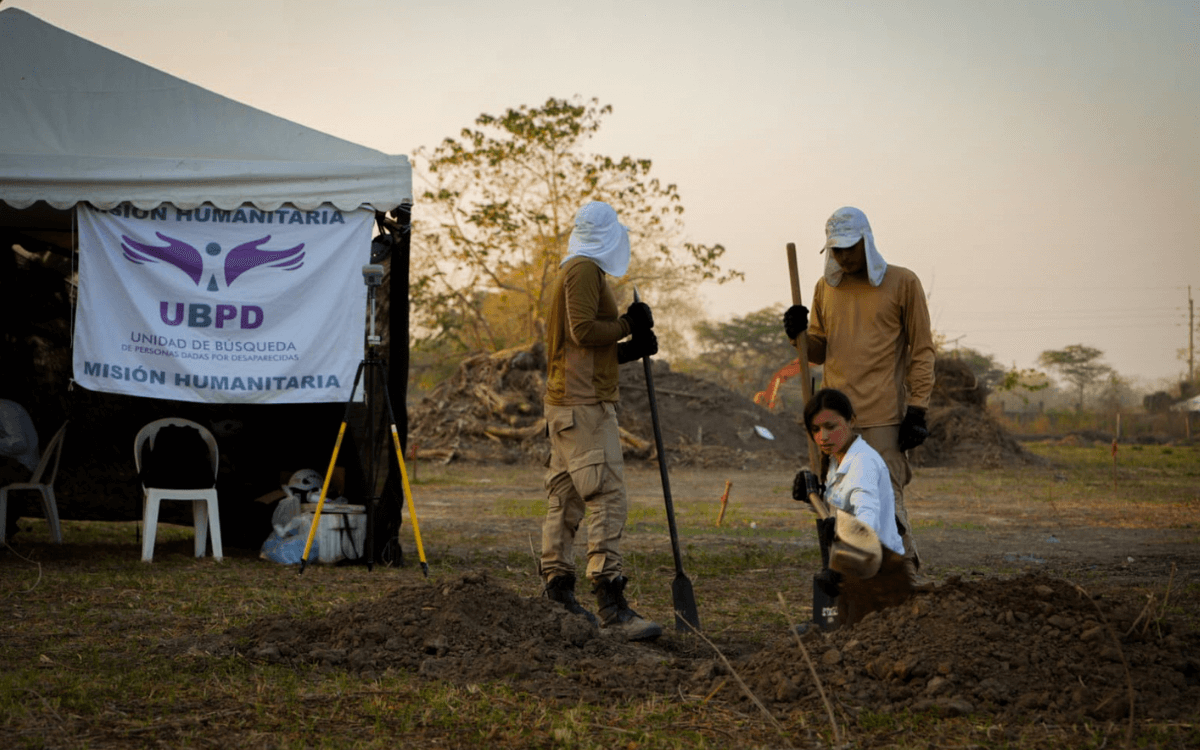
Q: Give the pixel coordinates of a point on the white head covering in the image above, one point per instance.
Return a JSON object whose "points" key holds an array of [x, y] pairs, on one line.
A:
{"points": [[845, 228], [599, 236]]}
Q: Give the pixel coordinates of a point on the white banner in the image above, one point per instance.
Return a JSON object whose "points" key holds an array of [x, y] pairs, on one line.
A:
{"points": [[214, 306]]}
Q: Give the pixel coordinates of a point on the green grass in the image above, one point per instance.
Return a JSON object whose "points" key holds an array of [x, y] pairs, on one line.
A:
{"points": [[1180, 460], [102, 533], [81, 634], [521, 507]]}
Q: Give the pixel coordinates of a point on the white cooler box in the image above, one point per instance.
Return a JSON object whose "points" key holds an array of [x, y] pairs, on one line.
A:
{"points": [[341, 532]]}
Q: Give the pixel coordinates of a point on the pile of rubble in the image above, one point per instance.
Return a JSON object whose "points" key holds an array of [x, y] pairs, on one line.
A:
{"points": [[490, 410], [961, 431]]}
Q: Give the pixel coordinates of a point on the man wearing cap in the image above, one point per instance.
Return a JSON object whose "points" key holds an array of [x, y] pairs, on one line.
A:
{"points": [[870, 329], [586, 474]]}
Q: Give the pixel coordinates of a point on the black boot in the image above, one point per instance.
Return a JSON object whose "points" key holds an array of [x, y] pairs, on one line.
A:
{"points": [[615, 614], [561, 589]]}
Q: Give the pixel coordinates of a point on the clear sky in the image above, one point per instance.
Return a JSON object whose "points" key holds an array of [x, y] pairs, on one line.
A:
{"points": [[1037, 163]]}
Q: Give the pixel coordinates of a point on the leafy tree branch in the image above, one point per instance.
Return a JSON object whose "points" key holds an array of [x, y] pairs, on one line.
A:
{"points": [[496, 211]]}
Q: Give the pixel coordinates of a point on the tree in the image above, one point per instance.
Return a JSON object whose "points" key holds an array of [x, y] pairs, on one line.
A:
{"points": [[986, 369], [1078, 365], [499, 206], [1158, 402], [1116, 393], [743, 353], [1025, 380]]}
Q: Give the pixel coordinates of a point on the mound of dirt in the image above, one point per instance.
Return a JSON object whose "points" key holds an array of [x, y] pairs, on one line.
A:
{"points": [[1033, 648], [705, 424], [490, 410], [961, 431], [1030, 648]]}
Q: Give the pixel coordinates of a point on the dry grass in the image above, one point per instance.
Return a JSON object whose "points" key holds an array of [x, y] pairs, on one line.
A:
{"points": [[82, 628]]}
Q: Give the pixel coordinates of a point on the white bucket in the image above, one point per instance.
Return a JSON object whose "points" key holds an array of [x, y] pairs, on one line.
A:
{"points": [[341, 532]]}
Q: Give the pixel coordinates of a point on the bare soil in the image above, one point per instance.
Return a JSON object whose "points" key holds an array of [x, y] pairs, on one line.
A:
{"points": [[1049, 611], [1027, 615]]}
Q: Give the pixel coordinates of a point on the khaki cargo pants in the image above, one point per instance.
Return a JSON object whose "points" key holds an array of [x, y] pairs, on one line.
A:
{"points": [[585, 476], [886, 442]]}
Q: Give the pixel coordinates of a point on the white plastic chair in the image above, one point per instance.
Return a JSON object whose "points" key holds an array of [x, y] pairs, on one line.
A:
{"points": [[41, 483], [205, 515]]}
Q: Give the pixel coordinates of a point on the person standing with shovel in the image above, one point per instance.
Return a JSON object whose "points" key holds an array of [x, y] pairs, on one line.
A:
{"points": [[585, 471], [870, 328]]}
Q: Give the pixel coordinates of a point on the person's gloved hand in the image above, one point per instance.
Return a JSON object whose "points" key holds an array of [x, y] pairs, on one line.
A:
{"points": [[643, 344], [639, 317], [804, 484], [795, 321], [829, 581], [913, 430]]}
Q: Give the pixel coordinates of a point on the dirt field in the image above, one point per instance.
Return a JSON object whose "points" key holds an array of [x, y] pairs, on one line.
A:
{"points": [[1052, 606], [1004, 624]]}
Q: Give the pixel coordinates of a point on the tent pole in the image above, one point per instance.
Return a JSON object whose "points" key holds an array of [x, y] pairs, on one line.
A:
{"points": [[398, 352], [398, 320]]}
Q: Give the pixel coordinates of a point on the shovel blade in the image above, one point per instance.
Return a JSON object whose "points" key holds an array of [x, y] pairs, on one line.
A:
{"points": [[684, 600]]}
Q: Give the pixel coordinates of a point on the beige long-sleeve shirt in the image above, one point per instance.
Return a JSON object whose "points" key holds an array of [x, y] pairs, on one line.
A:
{"points": [[582, 331], [876, 344]]}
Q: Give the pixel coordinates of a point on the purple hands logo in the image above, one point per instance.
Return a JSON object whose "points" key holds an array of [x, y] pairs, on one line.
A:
{"points": [[188, 259]]}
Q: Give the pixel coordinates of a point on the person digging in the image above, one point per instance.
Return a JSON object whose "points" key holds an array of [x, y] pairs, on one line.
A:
{"points": [[864, 569], [585, 470], [870, 329]]}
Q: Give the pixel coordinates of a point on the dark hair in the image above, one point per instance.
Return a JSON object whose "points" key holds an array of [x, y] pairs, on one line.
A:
{"points": [[827, 398]]}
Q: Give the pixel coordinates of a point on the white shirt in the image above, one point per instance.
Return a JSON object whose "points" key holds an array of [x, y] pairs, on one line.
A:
{"points": [[860, 484]]}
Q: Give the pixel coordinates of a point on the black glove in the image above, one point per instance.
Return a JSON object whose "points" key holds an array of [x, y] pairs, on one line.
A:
{"points": [[829, 581], [795, 321], [913, 430], [643, 344], [805, 484], [639, 317]]}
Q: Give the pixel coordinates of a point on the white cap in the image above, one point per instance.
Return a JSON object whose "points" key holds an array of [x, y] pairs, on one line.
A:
{"points": [[845, 228]]}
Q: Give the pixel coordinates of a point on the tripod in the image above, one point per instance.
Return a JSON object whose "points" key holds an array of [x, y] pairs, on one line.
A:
{"points": [[372, 365]]}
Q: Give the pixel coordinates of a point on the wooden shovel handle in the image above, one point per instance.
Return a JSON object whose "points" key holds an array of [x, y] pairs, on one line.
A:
{"points": [[820, 507], [794, 275], [801, 344]]}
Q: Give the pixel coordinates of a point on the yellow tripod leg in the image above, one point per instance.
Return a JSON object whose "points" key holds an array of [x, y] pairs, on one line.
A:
{"points": [[412, 511], [312, 530]]}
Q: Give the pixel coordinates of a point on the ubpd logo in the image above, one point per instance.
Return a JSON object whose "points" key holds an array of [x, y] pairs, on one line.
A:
{"points": [[236, 262]]}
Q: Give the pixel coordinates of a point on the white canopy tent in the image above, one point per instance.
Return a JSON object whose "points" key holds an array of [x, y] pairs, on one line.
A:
{"points": [[81, 123]]}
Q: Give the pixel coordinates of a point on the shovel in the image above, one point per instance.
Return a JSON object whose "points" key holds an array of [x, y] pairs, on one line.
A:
{"points": [[801, 344], [682, 597], [875, 577], [855, 549]]}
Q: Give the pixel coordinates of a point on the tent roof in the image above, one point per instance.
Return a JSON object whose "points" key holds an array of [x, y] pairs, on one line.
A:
{"points": [[79, 122], [1191, 404]]}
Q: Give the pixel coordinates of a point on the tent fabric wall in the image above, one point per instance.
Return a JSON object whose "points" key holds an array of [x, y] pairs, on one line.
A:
{"points": [[82, 123]]}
